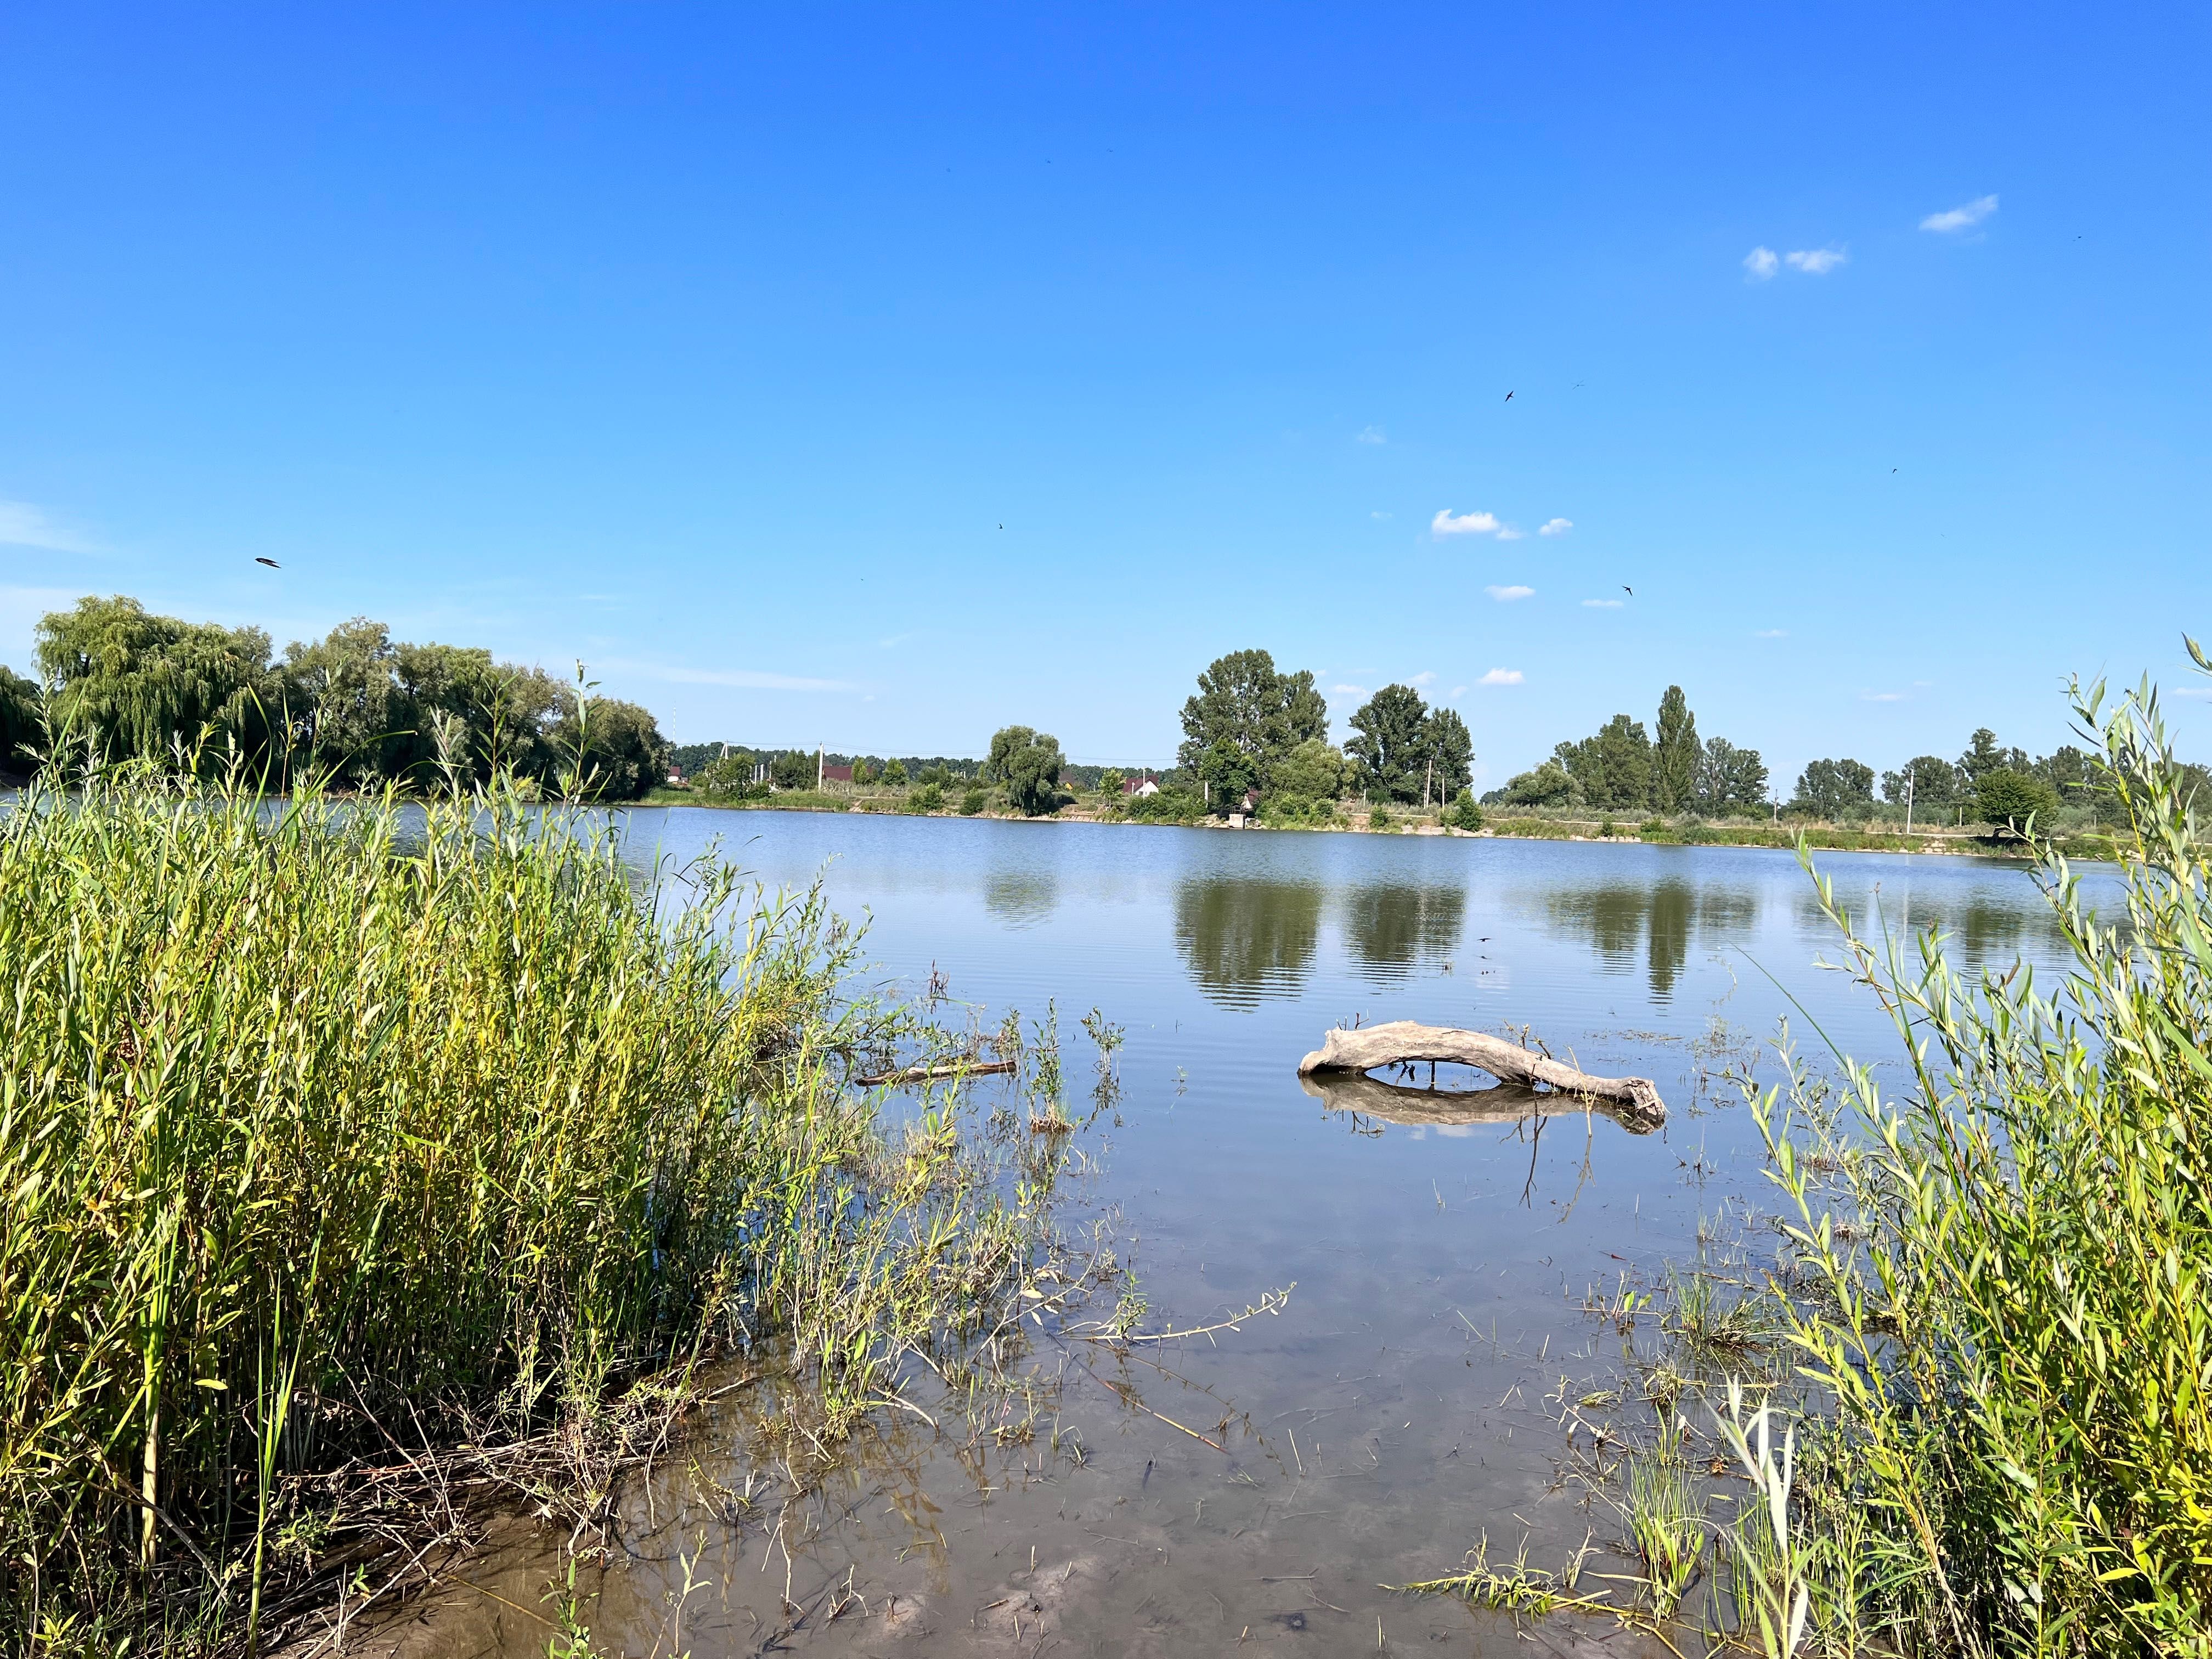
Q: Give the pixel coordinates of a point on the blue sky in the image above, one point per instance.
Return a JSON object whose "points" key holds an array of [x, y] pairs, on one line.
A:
{"points": [[714, 346]]}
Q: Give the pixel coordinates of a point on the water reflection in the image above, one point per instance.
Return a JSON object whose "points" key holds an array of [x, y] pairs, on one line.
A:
{"points": [[1655, 919], [1244, 940], [1364, 1096], [1021, 898], [1978, 928], [1390, 930]]}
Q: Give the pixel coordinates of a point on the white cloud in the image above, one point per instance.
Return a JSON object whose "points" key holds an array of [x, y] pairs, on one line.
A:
{"points": [[1448, 523], [1426, 676], [1881, 696], [1507, 595], [1371, 434], [1771, 634], [22, 524], [1348, 692], [1509, 534], [2188, 691], [1456, 691], [1761, 263], [1380, 517], [1555, 526], [1961, 218], [745, 679], [1603, 605], [1815, 262], [1501, 676]]}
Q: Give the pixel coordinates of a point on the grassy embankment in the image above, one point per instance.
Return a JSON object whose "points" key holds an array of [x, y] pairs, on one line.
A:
{"points": [[356, 1155], [1991, 1317]]}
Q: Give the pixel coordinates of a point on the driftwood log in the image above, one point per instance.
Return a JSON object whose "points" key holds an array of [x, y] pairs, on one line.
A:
{"points": [[929, 1073], [1402, 1041], [1419, 1109]]}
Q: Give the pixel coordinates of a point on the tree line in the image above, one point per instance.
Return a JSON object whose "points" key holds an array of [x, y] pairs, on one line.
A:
{"points": [[1621, 766], [355, 708]]}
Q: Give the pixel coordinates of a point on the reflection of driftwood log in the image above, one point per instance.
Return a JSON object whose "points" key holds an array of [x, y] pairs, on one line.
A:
{"points": [[1507, 1102], [931, 1073], [1402, 1041]]}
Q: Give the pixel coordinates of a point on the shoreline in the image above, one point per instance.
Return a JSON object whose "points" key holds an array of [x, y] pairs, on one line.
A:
{"points": [[1817, 840]]}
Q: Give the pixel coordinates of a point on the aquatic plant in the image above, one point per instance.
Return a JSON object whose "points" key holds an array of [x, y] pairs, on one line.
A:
{"points": [[2001, 1273], [338, 1134]]}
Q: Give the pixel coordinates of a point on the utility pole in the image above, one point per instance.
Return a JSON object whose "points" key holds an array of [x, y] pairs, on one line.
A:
{"points": [[1428, 775], [1908, 800], [820, 750]]}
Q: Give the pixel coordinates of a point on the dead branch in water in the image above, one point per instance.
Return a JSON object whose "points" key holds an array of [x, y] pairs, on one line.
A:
{"points": [[1403, 1040]]}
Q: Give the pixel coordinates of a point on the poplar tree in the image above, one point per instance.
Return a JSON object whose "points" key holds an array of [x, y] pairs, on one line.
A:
{"points": [[1674, 757]]}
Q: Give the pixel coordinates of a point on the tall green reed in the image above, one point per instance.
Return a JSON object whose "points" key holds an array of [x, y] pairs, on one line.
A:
{"points": [[327, 1126], [2002, 1285]]}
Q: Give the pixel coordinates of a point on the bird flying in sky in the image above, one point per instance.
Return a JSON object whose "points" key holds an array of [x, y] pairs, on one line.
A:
{"points": [[1626, 589], [1508, 397], [272, 564]]}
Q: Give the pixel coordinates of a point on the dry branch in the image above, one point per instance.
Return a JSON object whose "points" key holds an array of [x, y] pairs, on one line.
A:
{"points": [[930, 1074], [1403, 1040]]}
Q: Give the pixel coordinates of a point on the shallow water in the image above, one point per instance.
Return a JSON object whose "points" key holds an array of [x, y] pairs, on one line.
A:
{"points": [[1406, 1402]]}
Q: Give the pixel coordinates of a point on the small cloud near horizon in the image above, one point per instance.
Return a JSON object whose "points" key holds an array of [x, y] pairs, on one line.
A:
{"points": [[1501, 676], [1555, 526], [1964, 217], [1771, 634], [1815, 262], [1505, 595], [1881, 696], [1603, 605], [1371, 434], [22, 524], [1448, 523], [1426, 676]]}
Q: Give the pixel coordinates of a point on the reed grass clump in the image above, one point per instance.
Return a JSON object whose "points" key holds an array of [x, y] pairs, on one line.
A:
{"points": [[2001, 1292], [336, 1130]]}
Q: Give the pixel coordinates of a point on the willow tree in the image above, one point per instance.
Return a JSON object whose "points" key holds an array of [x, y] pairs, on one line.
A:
{"points": [[22, 719], [122, 681]]}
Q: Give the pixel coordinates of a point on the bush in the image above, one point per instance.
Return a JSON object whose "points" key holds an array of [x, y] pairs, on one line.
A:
{"points": [[2007, 800], [972, 803], [1379, 819], [1175, 805], [792, 770], [1298, 810], [1464, 814], [926, 798], [2005, 1266], [325, 1115]]}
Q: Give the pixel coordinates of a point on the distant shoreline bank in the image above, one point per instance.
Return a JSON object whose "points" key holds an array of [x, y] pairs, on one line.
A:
{"points": [[1777, 839]]}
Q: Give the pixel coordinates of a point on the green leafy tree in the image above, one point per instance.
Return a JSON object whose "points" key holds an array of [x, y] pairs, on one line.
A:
{"points": [[1464, 814], [1934, 781], [1391, 746], [937, 772], [1612, 768], [1111, 782], [1548, 785], [349, 712], [926, 798], [1313, 771], [2009, 798], [1675, 754], [972, 803], [1227, 772], [22, 720], [794, 768], [894, 773], [614, 751], [1451, 753], [2073, 773], [1834, 789], [473, 716], [1984, 754], [122, 681], [1728, 779], [1243, 701], [1026, 764]]}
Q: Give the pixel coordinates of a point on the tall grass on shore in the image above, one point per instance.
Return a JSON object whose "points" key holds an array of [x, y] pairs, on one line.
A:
{"points": [[2001, 1290], [331, 1127]]}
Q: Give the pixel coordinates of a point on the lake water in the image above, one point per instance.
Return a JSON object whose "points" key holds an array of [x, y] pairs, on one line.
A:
{"points": [[1407, 1401]]}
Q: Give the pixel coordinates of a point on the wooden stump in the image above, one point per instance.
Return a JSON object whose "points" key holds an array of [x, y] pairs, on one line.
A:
{"points": [[1402, 1040]]}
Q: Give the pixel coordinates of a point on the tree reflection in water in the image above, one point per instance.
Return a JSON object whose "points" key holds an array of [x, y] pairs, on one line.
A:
{"points": [[1246, 941], [1021, 898], [1390, 930], [1657, 919]]}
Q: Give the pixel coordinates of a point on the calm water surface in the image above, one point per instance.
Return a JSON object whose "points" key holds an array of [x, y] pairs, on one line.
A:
{"points": [[1406, 1402]]}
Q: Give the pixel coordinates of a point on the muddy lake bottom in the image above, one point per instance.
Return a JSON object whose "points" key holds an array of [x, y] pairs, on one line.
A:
{"points": [[1425, 1385]]}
